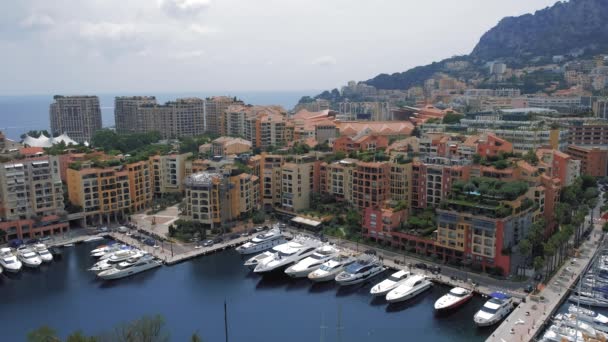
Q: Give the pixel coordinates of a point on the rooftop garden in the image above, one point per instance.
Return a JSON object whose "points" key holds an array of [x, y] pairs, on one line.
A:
{"points": [[421, 223], [486, 196]]}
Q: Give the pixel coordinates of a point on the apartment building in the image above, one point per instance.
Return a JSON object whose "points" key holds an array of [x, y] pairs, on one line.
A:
{"points": [[31, 198], [600, 108], [371, 184], [297, 179], [526, 139], [169, 172], [174, 119], [109, 194], [270, 180], [560, 103], [360, 143], [77, 116], [336, 179], [215, 198], [593, 160], [224, 146], [432, 179], [588, 133], [560, 165], [127, 116], [214, 109]]}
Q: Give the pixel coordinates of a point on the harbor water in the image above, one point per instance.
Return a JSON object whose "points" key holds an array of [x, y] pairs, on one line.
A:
{"points": [[190, 296]]}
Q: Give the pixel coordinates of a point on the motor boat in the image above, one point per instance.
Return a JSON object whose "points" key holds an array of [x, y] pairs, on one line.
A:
{"points": [[101, 251], [413, 286], [495, 309], [589, 299], [385, 286], [571, 321], [364, 269], [262, 242], [453, 299], [288, 253], [313, 262], [28, 257], [330, 269], [43, 252], [93, 239], [130, 267], [587, 315], [122, 250], [559, 333], [107, 264], [255, 260], [9, 261]]}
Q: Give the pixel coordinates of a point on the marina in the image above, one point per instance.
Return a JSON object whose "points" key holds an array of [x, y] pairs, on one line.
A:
{"points": [[190, 296]]}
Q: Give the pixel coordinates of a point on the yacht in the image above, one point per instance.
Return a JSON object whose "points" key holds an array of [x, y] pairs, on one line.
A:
{"points": [[495, 309], [106, 250], [385, 286], [589, 299], [571, 321], [587, 315], [330, 269], [130, 267], [107, 264], [9, 261], [122, 251], [453, 299], [287, 254], [413, 286], [93, 239], [43, 252], [262, 242], [255, 260], [28, 257], [313, 262], [364, 269], [560, 333]]}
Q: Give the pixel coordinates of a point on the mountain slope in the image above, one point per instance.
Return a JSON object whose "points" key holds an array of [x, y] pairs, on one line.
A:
{"points": [[556, 30]]}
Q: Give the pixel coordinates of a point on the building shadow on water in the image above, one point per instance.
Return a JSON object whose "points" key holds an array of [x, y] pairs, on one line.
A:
{"points": [[322, 287]]}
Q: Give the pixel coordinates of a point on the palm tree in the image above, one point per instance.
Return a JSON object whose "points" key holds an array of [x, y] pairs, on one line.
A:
{"points": [[525, 249], [549, 252]]}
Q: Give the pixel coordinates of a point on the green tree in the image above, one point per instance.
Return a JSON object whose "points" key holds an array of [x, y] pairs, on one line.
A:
{"points": [[525, 249], [43, 334], [539, 262], [78, 336], [452, 118]]}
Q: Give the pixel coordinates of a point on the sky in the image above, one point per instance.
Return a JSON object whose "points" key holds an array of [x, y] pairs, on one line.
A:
{"points": [[93, 46]]}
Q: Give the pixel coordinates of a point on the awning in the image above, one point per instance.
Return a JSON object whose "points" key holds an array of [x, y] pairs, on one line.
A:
{"points": [[308, 222]]}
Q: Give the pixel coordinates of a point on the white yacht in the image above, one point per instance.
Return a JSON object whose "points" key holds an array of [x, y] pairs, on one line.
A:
{"points": [[385, 286], [28, 257], [93, 239], [107, 264], [571, 321], [494, 310], [453, 299], [122, 251], [589, 299], [262, 242], [43, 252], [313, 262], [130, 267], [255, 260], [101, 250], [560, 333], [330, 269], [364, 269], [587, 315], [413, 286], [288, 253], [9, 261]]}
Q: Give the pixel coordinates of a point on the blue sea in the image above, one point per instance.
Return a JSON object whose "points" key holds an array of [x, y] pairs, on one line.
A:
{"points": [[19, 114]]}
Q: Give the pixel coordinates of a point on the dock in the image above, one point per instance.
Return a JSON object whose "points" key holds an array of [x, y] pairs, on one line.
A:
{"points": [[528, 319]]}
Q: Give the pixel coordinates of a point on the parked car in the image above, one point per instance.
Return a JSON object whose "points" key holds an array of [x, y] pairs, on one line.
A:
{"points": [[421, 266], [529, 288], [233, 236], [150, 242], [32, 241], [218, 240], [15, 243], [123, 229], [370, 252], [252, 231], [207, 243], [45, 238], [258, 229]]}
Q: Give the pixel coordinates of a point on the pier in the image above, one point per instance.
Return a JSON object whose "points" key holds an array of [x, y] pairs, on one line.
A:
{"points": [[529, 318]]}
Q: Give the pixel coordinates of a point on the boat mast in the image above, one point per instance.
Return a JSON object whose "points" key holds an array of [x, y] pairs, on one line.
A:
{"points": [[225, 320]]}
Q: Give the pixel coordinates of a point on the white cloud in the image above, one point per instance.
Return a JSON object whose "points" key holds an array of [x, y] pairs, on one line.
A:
{"points": [[184, 8], [187, 54], [37, 21], [202, 30], [108, 31], [325, 61]]}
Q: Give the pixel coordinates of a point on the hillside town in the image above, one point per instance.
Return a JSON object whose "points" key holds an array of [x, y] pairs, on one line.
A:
{"points": [[450, 172]]}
